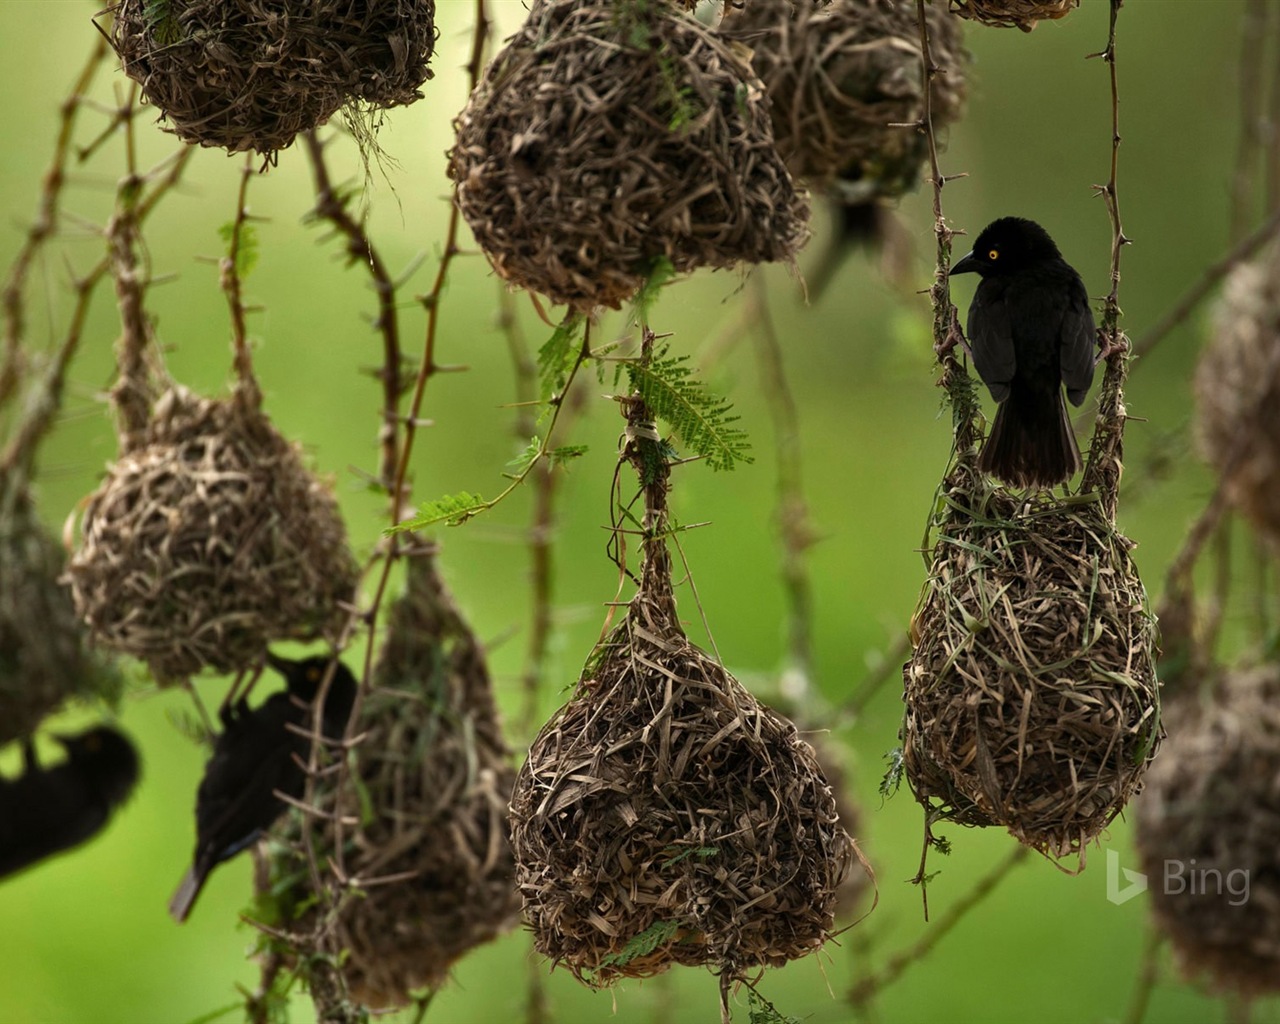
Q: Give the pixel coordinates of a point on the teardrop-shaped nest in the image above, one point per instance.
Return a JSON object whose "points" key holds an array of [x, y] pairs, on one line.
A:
{"points": [[1031, 693], [1208, 832], [840, 75], [606, 137], [44, 655], [1021, 14], [433, 778], [209, 540], [664, 816], [1237, 389], [253, 74]]}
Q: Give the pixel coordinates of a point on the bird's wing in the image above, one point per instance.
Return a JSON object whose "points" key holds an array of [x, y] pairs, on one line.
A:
{"points": [[1079, 337], [991, 339], [44, 813]]}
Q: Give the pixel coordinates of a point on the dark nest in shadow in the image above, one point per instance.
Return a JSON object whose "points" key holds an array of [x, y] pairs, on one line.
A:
{"points": [[845, 87], [251, 75], [606, 137], [1237, 389], [1031, 693], [208, 540], [44, 656], [1210, 815], [1021, 14], [664, 816], [423, 827]]}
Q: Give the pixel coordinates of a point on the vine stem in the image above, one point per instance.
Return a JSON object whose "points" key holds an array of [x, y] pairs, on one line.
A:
{"points": [[232, 286]]}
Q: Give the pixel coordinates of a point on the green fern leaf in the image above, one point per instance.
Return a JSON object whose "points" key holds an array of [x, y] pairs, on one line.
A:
{"points": [[452, 509], [657, 934], [558, 356]]}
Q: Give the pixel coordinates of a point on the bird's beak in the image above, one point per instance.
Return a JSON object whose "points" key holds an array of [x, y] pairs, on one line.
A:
{"points": [[968, 265]]}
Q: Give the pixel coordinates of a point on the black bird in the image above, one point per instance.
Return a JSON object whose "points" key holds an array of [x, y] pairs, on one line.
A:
{"points": [[255, 758], [1031, 331], [48, 810]]}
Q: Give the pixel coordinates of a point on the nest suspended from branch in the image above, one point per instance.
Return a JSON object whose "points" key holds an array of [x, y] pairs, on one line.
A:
{"points": [[1208, 832], [1010, 13], [433, 780], [44, 659], [664, 816], [606, 137], [1237, 387], [1031, 693], [253, 74], [208, 540], [838, 75]]}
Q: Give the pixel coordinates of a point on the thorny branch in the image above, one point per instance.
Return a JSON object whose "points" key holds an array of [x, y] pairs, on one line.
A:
{"points": [[334, 206], [231, 282]]}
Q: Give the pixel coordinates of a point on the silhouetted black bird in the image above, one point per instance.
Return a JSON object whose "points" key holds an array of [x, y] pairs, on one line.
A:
{"points": [[256, 757], [1031, 331], [47, 810]]}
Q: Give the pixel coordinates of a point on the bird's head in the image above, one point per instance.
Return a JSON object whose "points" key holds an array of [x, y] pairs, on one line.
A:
{"points": [[1006, 246], [108, 757], [303, 679]]}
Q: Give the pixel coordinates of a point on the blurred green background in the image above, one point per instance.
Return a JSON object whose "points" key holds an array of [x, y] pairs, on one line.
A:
{"points": [[86, 937]]}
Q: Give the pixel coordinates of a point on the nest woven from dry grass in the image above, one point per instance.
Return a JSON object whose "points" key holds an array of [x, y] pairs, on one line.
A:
{"points": [[1237, 389], [838, 75], [44, 657], [253, 74], [1211, 809], [664, 816], [608, 136], [1031, 692], [208, 540], [433, 778], [1023, 14]]}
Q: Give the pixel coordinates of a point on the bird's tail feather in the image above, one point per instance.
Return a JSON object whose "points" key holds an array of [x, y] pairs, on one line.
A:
{"points": [[185, 896], [1031, 443]]}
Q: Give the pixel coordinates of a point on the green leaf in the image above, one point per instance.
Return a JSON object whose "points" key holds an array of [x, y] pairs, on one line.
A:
{"points": [[453, 509], [559, 355], [158, 16], [698, 417], [660, 273], [761, 1011], [701, 852], [657, 934], [566, 453], [893, 774], [247, 251], [212, 1015], [525, 459]]}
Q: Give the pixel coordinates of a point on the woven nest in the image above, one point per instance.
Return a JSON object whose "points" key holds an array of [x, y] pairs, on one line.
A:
{"points": [[1022, 14], [1031, 692], [44, 659], [1210, 819], [606, 137], [664, 816], [839, 75], [832, 762], [255, 73], [1237, 388], [208, 540], [433, 779]]}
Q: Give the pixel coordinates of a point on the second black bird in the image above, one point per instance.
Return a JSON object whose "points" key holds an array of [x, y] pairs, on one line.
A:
{"points": [[256, 757], [1031, 331]]}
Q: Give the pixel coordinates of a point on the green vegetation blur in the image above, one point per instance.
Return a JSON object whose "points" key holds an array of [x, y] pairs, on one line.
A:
{"points": [[86, 937]]}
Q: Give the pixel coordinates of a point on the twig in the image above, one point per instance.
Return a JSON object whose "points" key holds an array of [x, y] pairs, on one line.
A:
{"points": [[229, 279], [1272, 130], [1214, 273], [42, 227], [334, 207], [889, 666], [1148, 972], [1253, 37], [867, 988], [1106, 452]]}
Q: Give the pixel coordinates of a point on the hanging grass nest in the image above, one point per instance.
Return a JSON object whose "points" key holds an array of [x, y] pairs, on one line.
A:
{"points": [[433, 780], [1211, 812], [1237, 388], [608, 137], [208, 540], [833, 763], [664, 816], [1022, 14], [838, 75], [44, 657], [251, 75], [1031, 692]]}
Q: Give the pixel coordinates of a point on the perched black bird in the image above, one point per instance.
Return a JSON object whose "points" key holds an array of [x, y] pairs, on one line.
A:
{"points": [[47, 810], [1031, 330], [256, 757]]}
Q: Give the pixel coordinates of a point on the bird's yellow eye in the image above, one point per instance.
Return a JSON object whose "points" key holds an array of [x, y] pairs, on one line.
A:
{"points": [[994, 254], [313, 675]]}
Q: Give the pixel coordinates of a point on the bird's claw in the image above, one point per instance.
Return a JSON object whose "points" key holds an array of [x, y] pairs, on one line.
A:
{"points": [[1109, 345], [955, 337]]}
